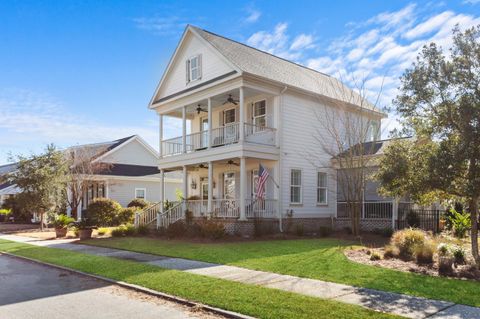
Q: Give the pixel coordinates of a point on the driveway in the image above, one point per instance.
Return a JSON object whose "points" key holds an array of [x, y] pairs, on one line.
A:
{"points": [[30, 290]]}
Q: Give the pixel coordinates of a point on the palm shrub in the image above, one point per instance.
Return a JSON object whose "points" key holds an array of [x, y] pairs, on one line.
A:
{"points": [[461, 223], [103, 212], [62, 221]]}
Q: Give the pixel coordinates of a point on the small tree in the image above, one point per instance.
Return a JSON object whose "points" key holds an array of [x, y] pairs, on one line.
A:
{"points": [[439, 102], [42, 181], [82, 169], [345, 132]]}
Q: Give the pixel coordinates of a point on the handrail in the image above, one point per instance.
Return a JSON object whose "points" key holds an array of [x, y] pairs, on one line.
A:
{"points": [[171, 216], [147, 215]]}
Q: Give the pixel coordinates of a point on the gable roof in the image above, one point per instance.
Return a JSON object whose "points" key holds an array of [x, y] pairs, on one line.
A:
{"points": [[370, 148], [8, 168], [263, 64], [130, 170]]}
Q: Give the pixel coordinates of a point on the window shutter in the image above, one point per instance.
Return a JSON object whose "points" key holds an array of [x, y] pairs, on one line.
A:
{"points": [[199, 63], [187, 68]]}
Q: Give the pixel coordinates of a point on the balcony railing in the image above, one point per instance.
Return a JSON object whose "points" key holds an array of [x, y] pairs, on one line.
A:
{"points": [[224, 135], [230, 208]]}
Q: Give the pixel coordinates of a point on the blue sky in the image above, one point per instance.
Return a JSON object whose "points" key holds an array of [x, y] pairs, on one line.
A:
{"points": [[83, 71]]}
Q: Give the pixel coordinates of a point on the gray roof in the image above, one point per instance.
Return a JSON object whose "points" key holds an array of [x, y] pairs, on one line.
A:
{"points": [[8, 168], [269, 66], [98, 149]]}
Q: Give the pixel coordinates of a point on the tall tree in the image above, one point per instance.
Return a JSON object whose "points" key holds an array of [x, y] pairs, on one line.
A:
{"points": [[42, 180], [439, 102]]}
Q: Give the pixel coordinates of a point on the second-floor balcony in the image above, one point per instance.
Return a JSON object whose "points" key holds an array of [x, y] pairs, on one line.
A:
{"points": [[220, 136]]}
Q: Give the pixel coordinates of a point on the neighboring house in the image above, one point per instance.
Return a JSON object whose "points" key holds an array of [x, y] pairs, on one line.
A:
{"points": [[7, 189], [130, 172], [243, 107]]}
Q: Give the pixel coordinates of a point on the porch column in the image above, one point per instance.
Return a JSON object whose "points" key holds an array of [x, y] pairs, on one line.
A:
{"points": [[160, 132], [243, 188], [70, 199], [107, 190], [395, 202], [184, 129], [79, 210], [241, 102], [162, 196], [185, 187], [209, 110], [210, 187]]}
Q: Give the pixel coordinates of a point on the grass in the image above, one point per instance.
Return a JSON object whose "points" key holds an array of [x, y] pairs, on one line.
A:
{"points": [[246, 299], [310, 258]]}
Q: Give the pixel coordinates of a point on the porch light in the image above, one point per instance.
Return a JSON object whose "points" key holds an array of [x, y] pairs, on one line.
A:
{"points": [[193, 185]]}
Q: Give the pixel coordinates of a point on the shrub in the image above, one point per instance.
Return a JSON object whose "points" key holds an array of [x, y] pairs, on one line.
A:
{"points": [[212, 229], [62, 221], [188, 216], [5, 211], [299, 230], [445, 265], [407, 241], [139, 203], [375, 256], [443, 249], [102, 231], [325, 231], [424, 253], [460, 222], [125, 216], [103, 212], [391, 251], [459, 255], [413, 220], [143, 230], [176, 229], [124, 230]]}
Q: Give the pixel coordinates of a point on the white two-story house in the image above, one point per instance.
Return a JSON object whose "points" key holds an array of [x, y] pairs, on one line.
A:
{"points": [[241, 107]]}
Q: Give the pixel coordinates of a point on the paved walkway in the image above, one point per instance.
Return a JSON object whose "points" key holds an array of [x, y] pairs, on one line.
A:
{"points": [[403, 305]]}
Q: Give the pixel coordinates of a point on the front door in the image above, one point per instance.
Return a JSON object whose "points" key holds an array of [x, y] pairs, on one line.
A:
{"points": [[229, 121]]}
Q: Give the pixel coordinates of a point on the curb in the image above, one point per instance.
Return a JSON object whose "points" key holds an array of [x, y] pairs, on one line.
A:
{"points": [[185, 302]]}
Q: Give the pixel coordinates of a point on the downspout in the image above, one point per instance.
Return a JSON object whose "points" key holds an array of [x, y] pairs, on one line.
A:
{"points": [[280, 168]]}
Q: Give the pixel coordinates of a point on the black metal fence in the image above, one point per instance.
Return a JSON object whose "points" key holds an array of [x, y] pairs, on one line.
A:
{"points": [[426, 219]]}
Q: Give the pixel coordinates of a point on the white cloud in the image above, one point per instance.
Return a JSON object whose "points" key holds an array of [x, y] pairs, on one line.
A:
{"points": [[429, 25], [253, 15], [302, 41], [30, 120], [471, 2]]}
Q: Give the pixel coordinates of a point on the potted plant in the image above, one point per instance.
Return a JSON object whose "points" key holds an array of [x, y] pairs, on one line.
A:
{"points": [[61, 224], [84, 228]]}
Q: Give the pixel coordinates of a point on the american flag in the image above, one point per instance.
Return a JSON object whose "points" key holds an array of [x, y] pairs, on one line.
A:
{"points": [[262, 180]]}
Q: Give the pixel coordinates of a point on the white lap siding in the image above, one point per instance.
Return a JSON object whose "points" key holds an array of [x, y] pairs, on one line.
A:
{"points": [[123, 191], [299, 126]]}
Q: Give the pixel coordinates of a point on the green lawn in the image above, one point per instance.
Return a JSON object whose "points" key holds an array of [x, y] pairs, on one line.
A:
{"points": [[311, 258], [247, 299]]}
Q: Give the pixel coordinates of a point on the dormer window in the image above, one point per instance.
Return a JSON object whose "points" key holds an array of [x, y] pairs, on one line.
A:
{"points": [[194, 68]]}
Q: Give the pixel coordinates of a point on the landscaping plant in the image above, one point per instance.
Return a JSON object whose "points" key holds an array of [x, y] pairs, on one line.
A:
{"points": [[408, 241], [104, 212], [139, 203], [460, 222], [61, 223]]}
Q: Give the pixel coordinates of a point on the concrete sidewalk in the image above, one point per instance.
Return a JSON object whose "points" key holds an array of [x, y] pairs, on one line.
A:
{"points": [[399, 304]]}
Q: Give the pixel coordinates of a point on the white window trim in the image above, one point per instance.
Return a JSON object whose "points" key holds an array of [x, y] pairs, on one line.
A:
{"points": [[234, 113], [144, 192], [301, 187], [259, 116], [198, 68], [326, 189]]}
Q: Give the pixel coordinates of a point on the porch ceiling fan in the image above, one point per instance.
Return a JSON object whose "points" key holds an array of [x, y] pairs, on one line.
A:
{"points": [[199, 109], [230, 99], [231, 162]]}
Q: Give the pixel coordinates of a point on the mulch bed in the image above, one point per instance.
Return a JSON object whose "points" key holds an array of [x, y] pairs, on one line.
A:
{"points": [[363, 256]]}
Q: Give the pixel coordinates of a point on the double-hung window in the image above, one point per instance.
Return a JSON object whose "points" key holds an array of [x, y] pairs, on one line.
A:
{"points": [[321, 188], [194, 68], [141, 193], [259, 113], [295, 186]]}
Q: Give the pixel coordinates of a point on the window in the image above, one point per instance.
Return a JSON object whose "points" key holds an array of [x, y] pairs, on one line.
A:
{"points": [[373, 132], [194, 68], [229, 116], [259, 114], [229, 185], [141, 193], [295, 186], [321, 188], [254, 182]]}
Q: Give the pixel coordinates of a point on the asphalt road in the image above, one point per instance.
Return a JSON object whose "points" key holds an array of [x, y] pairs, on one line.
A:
{"points": [[30, 290]]}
